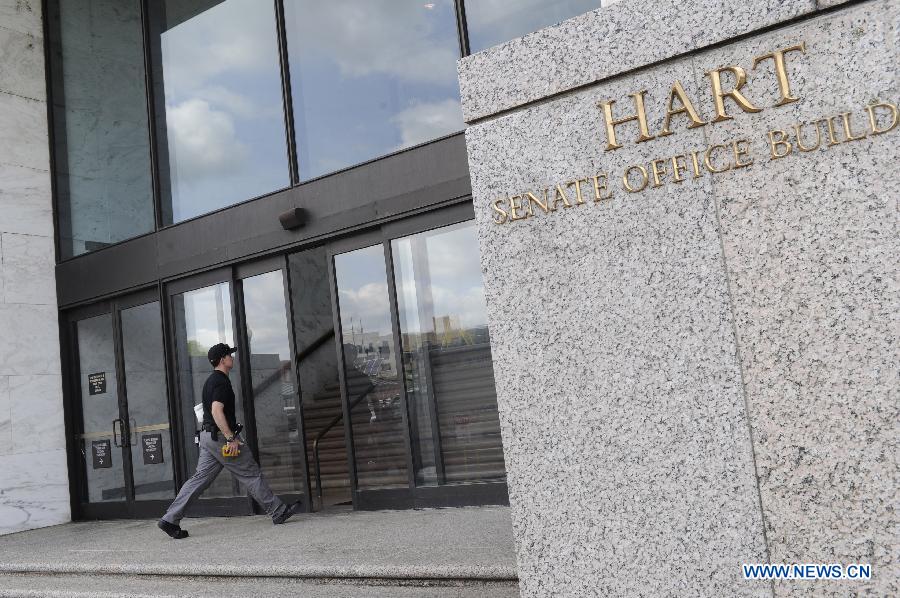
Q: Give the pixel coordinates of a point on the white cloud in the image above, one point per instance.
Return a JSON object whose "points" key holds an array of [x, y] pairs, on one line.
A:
{"points": [[380, 37], [233, 36], [203, 141], [425, 121], [368, 304]]}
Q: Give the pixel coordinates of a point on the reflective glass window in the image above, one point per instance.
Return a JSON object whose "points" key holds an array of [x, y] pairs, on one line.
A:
{"points": [[370, 77], [370, 369], [101, 132], [203, 319], [492, 22], [278, 433], [319, 376], [100, 440], [447, 360], [143, 357], [219, 105]]}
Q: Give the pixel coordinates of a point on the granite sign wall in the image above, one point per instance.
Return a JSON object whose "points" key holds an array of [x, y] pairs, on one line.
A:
{"points": [[688, 222]]}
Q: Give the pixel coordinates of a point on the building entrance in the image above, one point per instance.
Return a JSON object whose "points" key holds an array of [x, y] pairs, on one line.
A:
{"points": [[124, 452], [363, 377]]}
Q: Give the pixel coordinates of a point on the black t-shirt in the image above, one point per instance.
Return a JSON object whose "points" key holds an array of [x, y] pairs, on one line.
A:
{"points": [[218, 388]]}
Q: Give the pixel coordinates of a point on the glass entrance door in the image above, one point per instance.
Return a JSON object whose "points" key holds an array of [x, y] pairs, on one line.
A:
{"points": [[126, 465], [277, 418], [202, 316]]}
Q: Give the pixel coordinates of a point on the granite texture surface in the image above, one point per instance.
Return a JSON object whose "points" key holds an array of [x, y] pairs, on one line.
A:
{"points": [[606, 42], [34, 488], [678, 365], [626, 440], [811, 245]]}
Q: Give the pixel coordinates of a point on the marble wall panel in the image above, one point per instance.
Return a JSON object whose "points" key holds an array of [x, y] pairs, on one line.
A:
{"points": [[23, 132], [22, 64], [27, 272], [25, 201], [31, 340], [625, 436], [36, 412], [811, 247], [33, 472], [35, 491], [5, 417], [603, 43], [23, 16]]}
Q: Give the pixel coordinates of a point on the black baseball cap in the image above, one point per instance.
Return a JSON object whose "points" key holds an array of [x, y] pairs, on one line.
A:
{"points": [[217, 352]]}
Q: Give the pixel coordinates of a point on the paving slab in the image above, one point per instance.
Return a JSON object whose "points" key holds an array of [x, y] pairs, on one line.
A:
{"points": [[430, 544]]}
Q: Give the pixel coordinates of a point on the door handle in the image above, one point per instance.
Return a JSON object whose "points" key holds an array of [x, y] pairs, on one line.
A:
{"points": [[117, 440]]}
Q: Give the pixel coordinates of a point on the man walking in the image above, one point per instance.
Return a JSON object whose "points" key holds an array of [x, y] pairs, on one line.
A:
{"points": [[218, 438]]}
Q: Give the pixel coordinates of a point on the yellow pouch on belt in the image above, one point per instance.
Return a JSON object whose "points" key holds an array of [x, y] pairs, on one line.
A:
{"points": [[227, 451]]}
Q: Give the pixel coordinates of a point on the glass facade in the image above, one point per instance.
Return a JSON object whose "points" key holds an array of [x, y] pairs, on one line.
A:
{"points": [[366, 78], [102, 137], [364, 374], [370, 77], [492, 22]]}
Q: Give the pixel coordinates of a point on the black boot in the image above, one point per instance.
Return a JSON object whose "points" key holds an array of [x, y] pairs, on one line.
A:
{"points": [[291, 510], [173, 530]]}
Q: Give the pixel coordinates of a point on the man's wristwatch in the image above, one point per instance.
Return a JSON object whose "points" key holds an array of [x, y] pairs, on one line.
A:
{"points": [[231, 439]]}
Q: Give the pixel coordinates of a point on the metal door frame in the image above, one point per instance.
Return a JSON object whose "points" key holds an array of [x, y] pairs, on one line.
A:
{"points": [[129, 507]]}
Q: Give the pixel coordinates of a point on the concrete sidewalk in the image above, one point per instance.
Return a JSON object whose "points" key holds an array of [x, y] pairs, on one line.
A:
{"points": [[458, 550]]}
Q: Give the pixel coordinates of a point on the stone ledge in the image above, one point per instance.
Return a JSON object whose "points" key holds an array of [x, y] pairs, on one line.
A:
{"points": [[606, 42], [349, 571]]}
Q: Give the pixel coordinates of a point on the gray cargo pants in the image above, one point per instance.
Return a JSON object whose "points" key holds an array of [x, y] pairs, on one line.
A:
{"points": [[209, 465]]}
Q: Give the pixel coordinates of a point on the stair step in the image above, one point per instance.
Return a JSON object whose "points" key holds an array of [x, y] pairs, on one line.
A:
{"points": [[62, 585]]}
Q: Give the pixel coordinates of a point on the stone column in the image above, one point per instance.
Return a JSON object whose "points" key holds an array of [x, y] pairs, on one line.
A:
{"points": [[699, 371], [34, 488]]}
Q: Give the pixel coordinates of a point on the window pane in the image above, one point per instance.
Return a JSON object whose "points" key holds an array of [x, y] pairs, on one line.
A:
{"points": [[281, 455], [492, 22], [370, 77], [203, 319], [319, 375], [447, 357], [148, 408], [101, 133], [218, 104], [99, 407], [373, 388]]}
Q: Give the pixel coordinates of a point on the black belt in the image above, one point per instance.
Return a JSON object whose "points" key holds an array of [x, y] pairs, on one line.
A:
{"points": [[214, 430]]}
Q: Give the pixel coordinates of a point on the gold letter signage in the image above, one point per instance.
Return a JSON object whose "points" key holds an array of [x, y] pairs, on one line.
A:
{"points": [[627, 122]]}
